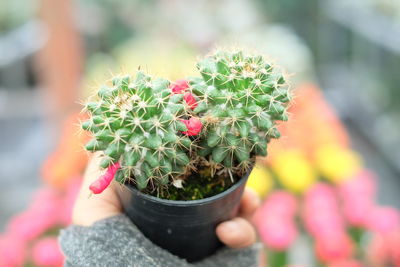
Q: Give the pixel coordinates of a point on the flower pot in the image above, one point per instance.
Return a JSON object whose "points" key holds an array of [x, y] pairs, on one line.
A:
{"points": [[184, 228]]}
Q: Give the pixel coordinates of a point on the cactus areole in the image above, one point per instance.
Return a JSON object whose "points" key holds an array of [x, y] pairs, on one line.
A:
{"points": [[192, 139]]}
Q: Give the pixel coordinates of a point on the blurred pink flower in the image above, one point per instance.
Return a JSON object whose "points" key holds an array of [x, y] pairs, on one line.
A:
{"points": [[356, 210], [358, 197], [12, 251], [320, 196], [277, 232], [394, 245], [333, 247], [363, 184], [346, 263], [30, 224], [321, 222], [73, 188], [45, 196], [383, 220], [321, 214], [46, 252], [280, 203], [378, 253]]}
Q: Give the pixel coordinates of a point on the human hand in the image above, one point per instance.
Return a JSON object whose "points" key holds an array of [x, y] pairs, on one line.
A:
{"points": [[235, 233]]}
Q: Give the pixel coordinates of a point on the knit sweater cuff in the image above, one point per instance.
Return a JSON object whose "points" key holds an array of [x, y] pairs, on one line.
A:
{"points": [[116, 241]]}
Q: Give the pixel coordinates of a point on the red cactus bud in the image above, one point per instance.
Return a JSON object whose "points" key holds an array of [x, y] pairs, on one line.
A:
{"points": [[104, 181], [179, 87], [190, 100], [194, 126]]}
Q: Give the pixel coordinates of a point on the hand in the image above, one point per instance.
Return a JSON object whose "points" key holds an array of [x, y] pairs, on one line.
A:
{"points": [[235, 233]]}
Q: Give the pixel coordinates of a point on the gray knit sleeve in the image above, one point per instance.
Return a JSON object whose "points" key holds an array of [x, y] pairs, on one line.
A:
{"points": [[116, 241]]}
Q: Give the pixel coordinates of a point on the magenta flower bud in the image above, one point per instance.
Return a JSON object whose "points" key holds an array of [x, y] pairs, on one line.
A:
{"points": [[193, 125], [104, 181], [179, 87], [190, 100]]}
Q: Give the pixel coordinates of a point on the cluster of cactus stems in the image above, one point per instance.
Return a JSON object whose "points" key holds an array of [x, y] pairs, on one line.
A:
{"points": [[160, 132]]}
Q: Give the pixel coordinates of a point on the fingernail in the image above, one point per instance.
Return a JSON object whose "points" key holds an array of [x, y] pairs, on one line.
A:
{"points": [[230, 227]]}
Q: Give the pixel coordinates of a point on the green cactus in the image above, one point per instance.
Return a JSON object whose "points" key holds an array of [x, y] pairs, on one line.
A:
{"points": [[216, 123], [242, 97], [137, 122]]}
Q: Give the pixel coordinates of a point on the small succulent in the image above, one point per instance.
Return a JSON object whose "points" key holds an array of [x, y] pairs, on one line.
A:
{"points": [[241, 98], [140, 124], [157, 133]]}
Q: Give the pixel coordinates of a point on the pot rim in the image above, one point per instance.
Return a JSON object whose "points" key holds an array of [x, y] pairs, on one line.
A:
{"points": [[196, 202]]}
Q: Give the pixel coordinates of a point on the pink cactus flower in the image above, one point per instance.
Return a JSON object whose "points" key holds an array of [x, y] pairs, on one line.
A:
{"points": [[104, 181], [190, 100], [12, 251], [277, 233], [333, 247], [194, 126], [179, 87], [383, 220], [46, 252]]}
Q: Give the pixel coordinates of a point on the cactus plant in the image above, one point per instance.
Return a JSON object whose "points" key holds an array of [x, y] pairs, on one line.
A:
{"points": [[136, 121], [161, 133], [241, 98]]}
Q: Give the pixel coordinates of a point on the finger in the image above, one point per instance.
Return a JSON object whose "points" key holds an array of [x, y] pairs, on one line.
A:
{"points": [[89, 207], [236, 233], [249, 203]]}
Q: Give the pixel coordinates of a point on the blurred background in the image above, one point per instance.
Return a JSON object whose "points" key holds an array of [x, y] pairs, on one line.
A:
{"points": [[343, 58]]}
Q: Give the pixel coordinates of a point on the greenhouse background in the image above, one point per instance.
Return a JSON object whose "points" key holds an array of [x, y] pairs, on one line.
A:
{"points": [[343, 60]]}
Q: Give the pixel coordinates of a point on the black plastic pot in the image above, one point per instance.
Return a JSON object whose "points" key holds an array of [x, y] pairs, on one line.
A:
{"points": [[184, 228]]}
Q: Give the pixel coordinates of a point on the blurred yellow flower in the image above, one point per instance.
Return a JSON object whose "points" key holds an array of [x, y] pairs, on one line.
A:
{"points": [[293, 170], [337, 163], [260, 180]]}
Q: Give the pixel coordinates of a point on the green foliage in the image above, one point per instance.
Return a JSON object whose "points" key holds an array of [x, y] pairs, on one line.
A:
{"points": [[135, 120], [242, 97]]}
